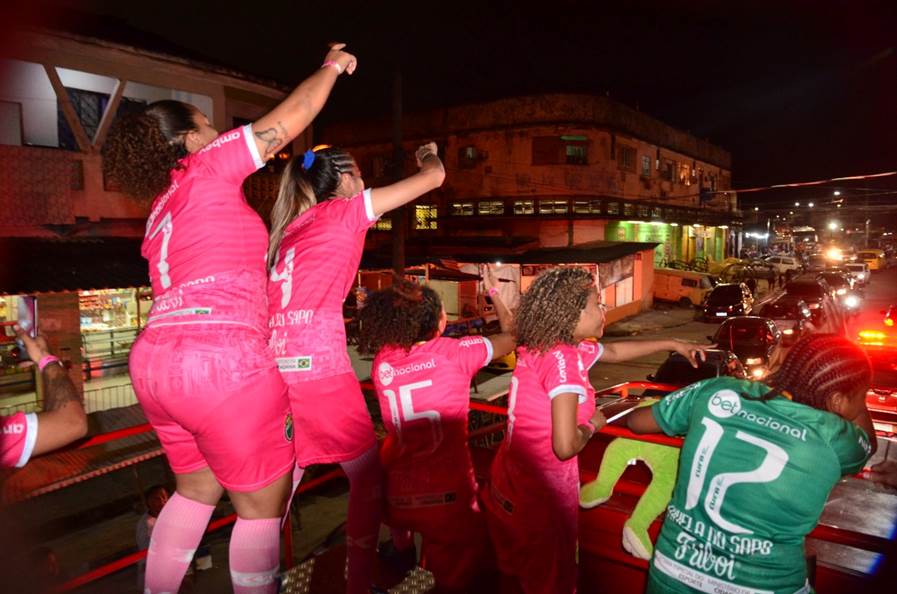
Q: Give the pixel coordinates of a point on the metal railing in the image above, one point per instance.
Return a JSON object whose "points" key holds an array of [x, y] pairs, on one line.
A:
{"points": [[109, 397]]}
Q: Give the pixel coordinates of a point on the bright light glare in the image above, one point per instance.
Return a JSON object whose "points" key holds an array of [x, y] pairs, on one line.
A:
{"points": [[788, 331], [837, 193], [754, 361], [758, 372], [834, 225], [834, 254], [852, 301]]}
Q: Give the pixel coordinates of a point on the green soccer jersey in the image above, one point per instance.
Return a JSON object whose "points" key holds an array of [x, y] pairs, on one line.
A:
{"points": [[753, 479]]}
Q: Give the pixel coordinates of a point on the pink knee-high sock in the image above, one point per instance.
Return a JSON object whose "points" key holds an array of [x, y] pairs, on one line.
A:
{"points": [[176, 535], [254, 556], [363, 525]]}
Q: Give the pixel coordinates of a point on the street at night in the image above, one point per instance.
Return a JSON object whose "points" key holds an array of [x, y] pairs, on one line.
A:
{"points": [[492, 297]]}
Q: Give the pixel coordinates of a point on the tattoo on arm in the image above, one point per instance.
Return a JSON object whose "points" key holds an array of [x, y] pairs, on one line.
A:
{"points": [[59, 388], [272, 138]]}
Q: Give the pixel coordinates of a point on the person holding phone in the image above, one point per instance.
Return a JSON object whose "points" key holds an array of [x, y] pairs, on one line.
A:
{"points": [[61, 421]]}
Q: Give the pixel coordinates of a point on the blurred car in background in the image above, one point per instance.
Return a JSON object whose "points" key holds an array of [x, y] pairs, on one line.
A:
{"points": [[754, 340], [728, 299], [678, 371], [791, 315], [859, 271]]}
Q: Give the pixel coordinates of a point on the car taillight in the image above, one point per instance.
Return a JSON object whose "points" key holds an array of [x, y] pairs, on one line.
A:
{"points": [[889, 322], [875, 337]]}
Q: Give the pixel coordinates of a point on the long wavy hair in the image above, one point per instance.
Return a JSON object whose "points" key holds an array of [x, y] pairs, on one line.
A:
{"points": [[144, 148], [302, 188], [549, 311]]}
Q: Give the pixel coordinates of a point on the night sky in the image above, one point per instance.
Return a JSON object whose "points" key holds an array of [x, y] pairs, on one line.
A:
{"points": [[796, 90]]}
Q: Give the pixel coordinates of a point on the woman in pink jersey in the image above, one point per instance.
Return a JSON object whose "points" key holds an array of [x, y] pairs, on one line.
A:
{"points": [[318, 226], [423, 384], [202, 370], [532, 499]]}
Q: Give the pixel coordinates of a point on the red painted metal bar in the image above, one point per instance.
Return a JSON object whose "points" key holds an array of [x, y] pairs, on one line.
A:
{"points": [[489, 408], [113, 435], [480, 432]]}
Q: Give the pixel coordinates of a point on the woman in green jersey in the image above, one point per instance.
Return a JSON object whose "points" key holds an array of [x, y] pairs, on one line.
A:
{"points": [[756, 469]]}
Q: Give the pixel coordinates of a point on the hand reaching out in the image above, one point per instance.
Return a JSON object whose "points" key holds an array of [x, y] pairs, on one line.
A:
{"points": [[425, 152], [346, 61]]}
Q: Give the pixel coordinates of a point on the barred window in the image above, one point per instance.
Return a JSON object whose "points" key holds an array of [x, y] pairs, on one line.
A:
{"points": [[552, 206], [491, 207], [461, 209], [524, 207], [425, 216], [587, 207]]}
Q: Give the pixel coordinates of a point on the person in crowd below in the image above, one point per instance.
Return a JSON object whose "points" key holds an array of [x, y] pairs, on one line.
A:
{"points": [[156, 498], [62, 420], [423, 384], [787, 441], [318, 226], [202, 370], [533, 498]]}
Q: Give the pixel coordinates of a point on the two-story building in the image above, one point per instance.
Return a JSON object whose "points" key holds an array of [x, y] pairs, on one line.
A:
{"points": [[562, 170], [66, 233]]}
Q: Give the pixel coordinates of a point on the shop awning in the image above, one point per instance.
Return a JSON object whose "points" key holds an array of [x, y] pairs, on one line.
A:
{"points": [[32, 265]]}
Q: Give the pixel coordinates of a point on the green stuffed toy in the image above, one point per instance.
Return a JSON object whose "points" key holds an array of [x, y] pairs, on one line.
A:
{"points": [[663, 462]]}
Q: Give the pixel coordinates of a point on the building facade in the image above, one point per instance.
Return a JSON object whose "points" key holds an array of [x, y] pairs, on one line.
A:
{"points": [[564, 170], [66, 233]]}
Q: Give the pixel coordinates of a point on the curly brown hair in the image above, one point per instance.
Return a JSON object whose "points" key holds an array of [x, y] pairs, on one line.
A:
{"points": [[400, 316], [550, 309], [144, 148]]}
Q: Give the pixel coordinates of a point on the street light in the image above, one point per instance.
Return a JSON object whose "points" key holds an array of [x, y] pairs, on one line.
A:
{"points": [[811, 205], [756, 208], [797, 204], [834, 225], [836, 193]]}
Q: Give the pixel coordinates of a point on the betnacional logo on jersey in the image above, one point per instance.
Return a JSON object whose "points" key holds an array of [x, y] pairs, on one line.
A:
{"points": [[724, 404], [385, 373]]}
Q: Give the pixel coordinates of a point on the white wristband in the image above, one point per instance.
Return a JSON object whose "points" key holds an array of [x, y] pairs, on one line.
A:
{"points": [[339, 69]]}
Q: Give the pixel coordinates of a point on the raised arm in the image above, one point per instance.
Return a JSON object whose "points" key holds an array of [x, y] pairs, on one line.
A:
{"points": [[286, 121], [625, 350], [430, 177], [505, 342]]}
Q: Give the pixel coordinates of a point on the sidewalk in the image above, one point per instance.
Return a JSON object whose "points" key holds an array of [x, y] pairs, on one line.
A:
{"points": [[665, 315]]}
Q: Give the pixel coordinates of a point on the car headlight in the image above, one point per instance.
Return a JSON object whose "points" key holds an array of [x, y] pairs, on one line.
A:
{"points": [[788, 331], [841, 291], [759, 372], [852, 301], [861, 275], [754, 361]]}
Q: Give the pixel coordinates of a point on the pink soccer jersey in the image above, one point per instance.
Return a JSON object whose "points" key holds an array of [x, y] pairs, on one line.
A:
{"points": [[537, 379], [18, 439], [315, 268], [424, 398], [205, 246]]}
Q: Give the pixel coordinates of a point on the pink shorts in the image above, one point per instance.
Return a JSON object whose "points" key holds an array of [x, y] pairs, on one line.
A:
{"points": [[534, 530], [331, 419], [215, 398]]}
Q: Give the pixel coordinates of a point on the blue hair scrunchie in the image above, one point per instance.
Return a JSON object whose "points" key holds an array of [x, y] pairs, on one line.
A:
{"points": [[308, 159]]}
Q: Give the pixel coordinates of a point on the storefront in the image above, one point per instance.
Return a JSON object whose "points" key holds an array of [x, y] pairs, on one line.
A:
{"points": [[110, 322]]}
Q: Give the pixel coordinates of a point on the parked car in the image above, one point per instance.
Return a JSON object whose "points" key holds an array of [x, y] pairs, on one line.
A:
{"points": [[784, 263], [677, 370], [754, 340], [873, 257], [685, 287], [791, 315], [728, 299], [859, 271]]}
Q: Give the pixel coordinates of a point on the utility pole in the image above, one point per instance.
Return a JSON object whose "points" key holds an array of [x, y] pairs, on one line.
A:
{"points": [[398, 159]]}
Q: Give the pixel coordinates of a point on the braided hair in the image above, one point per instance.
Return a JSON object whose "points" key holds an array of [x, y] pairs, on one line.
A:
{"points": [[303, 185], [550, 309], [399, 316], [819, 366]]}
